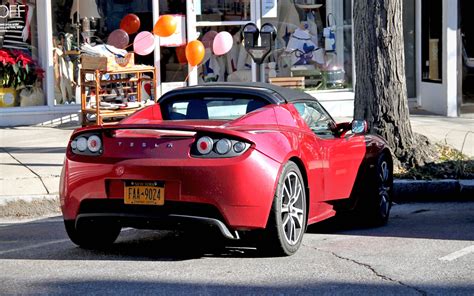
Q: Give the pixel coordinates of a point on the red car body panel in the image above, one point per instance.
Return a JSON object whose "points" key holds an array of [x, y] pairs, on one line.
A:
{"points": [[242, 188], [193, 180]]}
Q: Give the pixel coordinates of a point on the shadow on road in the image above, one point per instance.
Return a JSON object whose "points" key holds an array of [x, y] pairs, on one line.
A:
{"points": [[47, 240], [442, 221], [184, 287]]}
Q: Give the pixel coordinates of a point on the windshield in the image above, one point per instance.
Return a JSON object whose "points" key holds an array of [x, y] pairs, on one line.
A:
{"points": [[208, 107]]}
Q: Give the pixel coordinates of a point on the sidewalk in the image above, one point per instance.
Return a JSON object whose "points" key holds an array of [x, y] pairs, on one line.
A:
{"points": [[31, 157], [456, 132]]}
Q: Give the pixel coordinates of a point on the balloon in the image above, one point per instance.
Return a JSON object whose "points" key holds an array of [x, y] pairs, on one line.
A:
{"points": [[195, 52], [208, 38], [144, 43], [222, 44], [118, 38], [165, 26], [181, 54], [130, 23]]}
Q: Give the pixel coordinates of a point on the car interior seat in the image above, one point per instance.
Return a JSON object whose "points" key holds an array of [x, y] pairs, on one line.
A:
{"points": [[254, 105], [197, 109]]}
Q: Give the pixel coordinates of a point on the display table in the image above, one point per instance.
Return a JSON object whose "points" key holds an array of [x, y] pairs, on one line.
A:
{"points": [[93, 92]]}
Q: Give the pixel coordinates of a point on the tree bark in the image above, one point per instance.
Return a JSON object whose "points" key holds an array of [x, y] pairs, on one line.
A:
{"points": [[380, 90]]}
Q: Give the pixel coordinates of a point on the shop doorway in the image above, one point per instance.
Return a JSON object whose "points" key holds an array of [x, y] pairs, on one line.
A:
{"points": [[467, 41]]}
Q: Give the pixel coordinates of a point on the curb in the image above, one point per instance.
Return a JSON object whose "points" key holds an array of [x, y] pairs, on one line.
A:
{"points": [[404, 191], [29, 205], [435, 191]]}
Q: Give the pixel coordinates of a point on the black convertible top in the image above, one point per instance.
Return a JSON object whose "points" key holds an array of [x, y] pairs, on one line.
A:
{"points": [[272, 93]]}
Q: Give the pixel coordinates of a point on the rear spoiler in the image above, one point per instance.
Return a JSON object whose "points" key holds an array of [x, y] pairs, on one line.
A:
{"points": [[109, 129]]}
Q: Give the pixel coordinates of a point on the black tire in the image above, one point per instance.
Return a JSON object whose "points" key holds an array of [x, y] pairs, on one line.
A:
{"points": [[378, 200], [92, 235], [285, 228]]}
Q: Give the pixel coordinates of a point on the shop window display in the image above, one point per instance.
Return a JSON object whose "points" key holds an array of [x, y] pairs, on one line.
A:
{"points": [[431, 41], [314, 41], [222, 10], [234, 66], [20, 73], [173, 64], [90, 23]]}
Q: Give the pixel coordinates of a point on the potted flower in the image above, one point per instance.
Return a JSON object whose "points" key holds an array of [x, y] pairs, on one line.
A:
{"points": [[17, 70]]}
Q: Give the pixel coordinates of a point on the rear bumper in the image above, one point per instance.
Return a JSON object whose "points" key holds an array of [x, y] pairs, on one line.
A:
{"points": [[161, 219], [239, 191]]}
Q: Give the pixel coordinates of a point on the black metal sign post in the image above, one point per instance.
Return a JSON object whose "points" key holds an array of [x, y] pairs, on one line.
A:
{"points": [[258, 53]]}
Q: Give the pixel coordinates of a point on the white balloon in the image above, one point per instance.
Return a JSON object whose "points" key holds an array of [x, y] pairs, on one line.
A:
{"points": [[222, 43]]}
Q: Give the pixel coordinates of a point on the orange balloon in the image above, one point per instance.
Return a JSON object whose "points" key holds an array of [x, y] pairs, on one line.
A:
{"points": [[165, 26], [195, 52]]}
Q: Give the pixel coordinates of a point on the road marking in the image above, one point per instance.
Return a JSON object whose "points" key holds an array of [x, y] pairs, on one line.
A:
{"points": [[34, 246], [457, 254]]}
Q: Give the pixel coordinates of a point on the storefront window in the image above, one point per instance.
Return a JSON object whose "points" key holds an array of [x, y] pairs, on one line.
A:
{"points": [[222, 10], [235, 66], [173, 64], [80, 23], [431, 40], [223, 17], [20, 74], [314, 42]]}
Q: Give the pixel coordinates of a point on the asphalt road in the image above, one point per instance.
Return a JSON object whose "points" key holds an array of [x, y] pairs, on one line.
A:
{"points": [[426, 249]]}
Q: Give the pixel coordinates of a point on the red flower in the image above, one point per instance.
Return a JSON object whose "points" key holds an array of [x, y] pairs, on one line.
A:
{"points": [[6, 58], [23, 59], [39, 73], [18, 69]]}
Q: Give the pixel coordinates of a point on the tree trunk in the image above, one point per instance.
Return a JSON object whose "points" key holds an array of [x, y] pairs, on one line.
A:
{"points": [[380, 91]]}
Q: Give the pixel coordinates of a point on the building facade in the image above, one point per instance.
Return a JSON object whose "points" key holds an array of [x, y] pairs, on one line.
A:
{"points": [[314, 40]]}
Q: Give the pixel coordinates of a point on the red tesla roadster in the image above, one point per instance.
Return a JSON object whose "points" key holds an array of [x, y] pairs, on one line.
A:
{"points": [[240, 158]]}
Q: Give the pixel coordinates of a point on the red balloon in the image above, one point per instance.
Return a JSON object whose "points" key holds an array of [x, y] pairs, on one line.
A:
{"points": [[130, 23], [195, 52], [181, 54]]}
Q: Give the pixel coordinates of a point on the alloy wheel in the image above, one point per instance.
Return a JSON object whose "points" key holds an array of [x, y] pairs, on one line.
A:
{"points": [[292, 208], [384, 189]]}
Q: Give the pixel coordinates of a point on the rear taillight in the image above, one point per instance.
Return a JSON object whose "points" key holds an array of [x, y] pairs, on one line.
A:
{"points": [[94, 144], [223, 146], [208, 147], [87, 144], [204, 145]]}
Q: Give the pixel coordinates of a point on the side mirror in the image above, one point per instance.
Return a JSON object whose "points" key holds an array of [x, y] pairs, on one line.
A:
{"points": [[359, 127]]}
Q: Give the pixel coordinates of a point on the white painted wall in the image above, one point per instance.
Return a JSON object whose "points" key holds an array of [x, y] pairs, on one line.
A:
{"points": [[450, 49], [441, 98]]}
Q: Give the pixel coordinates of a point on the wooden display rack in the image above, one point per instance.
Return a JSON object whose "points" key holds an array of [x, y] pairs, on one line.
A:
{"points": [[134, 77]]}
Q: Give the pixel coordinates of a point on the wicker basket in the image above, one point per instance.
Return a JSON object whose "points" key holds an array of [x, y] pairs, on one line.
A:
{"points": [[107, 63]]}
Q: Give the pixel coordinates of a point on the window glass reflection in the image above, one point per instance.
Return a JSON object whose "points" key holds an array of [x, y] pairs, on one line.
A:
{"points": [[222, 10], [314, 41]]}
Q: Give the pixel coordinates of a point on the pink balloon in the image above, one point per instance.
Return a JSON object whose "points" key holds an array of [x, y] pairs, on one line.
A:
{"points": [[144, 43], [118, 38], [208, 39], [223, 43]]}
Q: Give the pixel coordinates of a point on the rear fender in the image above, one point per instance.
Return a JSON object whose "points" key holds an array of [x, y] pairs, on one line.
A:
{"points": [[146, 114]]}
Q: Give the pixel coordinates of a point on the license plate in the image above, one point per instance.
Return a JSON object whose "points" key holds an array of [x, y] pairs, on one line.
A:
{"points": [[144, 193]]}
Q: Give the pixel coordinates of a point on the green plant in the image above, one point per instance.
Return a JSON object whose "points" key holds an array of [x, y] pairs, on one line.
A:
{"points": [[18, 69]]}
